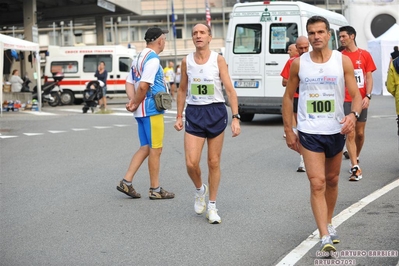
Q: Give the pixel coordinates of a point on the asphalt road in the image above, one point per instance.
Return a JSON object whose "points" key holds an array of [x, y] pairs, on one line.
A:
{"points": [[59, 204]]}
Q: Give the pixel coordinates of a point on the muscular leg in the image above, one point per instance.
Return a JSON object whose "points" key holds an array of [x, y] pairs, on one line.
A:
{"points": [[333, 166], [193, 146], [351, 146], [215, 146], [359, 140], [315, 169], [137, 159]]}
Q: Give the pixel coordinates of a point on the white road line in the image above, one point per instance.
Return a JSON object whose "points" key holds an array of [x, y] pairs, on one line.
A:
{"points": [[102, 127], [33, 134], [7, 137], [297, 253], [56, 131], [384, 116], [120, 114], [79, 129], [72, 110], [122, 125], [38, 113]]}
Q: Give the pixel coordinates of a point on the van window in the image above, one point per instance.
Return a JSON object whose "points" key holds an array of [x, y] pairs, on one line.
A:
{"points": [[124, 64], [282, 35], [64, 67], [91, 62], [247, 39]]}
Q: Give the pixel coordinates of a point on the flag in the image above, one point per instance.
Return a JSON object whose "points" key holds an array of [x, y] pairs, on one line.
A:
{"points": [[173, 20], [207, 13]]}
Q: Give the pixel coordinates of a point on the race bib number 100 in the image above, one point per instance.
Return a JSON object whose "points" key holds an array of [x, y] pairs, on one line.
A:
{"points": [[320, 106]]}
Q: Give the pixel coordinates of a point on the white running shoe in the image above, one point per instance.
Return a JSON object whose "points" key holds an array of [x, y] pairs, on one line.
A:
{"points": [[212, 215], [301, 167], [199, 204]]}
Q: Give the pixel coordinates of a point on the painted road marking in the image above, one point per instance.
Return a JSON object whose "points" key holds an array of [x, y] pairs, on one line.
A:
{"points": [[33, 134], [7, 137], [79, 129], [297, 253], [56, 131]]}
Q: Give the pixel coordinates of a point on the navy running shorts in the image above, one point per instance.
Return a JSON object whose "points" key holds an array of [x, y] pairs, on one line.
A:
{"points": [[206, 121], [331, 145], [348, 110]]}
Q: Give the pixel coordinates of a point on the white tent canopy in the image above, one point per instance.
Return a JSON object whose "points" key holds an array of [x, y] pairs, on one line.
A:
{"points": [[381, 49], [7, 42]]}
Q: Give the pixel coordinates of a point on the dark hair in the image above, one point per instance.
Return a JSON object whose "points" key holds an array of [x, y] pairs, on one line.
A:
{"points": [[315, 19], [349, 29], [13, 72], [206, 25], [395, 48], [102, 62]]}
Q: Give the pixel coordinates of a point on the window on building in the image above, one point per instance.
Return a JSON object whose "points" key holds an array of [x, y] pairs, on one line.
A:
{"points": [[124, 34], [108, 34], [381, 23], [78, 36], [133, 35], [91, 62], [281, 36], [248, 39], [179, 33], [53, 38]]}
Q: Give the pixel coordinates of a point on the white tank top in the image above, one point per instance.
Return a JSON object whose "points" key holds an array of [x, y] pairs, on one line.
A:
{"points": [[321, 95], [204, 84]]}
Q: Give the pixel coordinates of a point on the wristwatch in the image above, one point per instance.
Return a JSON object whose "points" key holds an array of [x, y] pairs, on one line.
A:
{"points": [[356, 114], [236, 116], [368, 96]]}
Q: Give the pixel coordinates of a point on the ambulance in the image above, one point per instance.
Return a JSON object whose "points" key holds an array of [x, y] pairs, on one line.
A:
{"points": [[257, 40], [79, 64]]}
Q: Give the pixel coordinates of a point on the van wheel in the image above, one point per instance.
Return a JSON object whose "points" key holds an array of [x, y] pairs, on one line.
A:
{"points": [[67, 97], [247, 117]]}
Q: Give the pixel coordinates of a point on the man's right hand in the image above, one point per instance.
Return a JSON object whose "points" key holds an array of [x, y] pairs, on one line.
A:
{"points": [[179, 123], [131, 107]]}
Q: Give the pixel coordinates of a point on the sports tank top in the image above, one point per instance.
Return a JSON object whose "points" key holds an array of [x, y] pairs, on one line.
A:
{"points": [[321, 95], [204, 84]]}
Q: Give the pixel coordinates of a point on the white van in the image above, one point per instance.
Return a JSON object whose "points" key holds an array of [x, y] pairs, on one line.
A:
{"points": [[257, 39], [79, 63]]}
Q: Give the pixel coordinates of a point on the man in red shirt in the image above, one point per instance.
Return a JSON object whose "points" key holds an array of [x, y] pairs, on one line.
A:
{"points": [[302, 46], [363, 65]]}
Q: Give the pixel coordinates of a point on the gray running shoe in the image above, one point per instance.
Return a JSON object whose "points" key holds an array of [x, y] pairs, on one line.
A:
{"points": [[326, 244], [333, 234]]}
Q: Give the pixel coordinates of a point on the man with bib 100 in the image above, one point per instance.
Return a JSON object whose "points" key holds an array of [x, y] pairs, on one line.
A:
{"points": [[363, 65], [322, 76]]}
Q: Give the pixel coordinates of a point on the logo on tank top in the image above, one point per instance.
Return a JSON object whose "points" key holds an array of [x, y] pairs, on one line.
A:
{"points": [[326, 80]]}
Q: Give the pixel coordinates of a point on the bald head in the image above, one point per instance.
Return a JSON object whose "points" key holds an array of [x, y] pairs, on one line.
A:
{"points": [[292, 51], [302, 44]]}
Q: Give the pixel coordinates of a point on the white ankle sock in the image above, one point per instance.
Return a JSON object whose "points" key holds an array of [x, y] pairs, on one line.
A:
{"points": [[201, 190]]}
